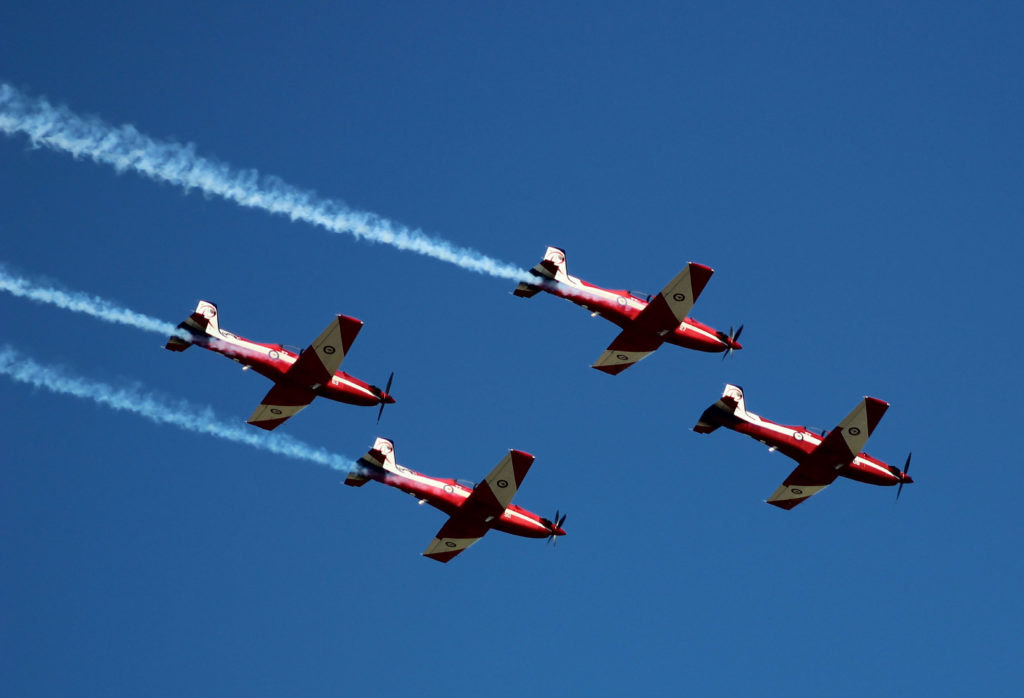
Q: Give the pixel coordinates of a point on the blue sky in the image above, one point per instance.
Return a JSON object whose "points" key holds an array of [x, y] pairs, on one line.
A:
{"points": [[852, 172]]}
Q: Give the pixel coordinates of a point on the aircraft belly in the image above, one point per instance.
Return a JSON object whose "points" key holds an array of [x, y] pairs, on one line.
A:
{"points": [[518, 528], [349, 391], [267, 371], [870, 473], [696, 338], [794, 445]]}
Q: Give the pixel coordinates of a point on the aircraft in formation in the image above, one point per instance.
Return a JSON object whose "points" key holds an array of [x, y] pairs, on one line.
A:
{"points": [[473, 509], [647, 321], [298, 375], [821, 458]]}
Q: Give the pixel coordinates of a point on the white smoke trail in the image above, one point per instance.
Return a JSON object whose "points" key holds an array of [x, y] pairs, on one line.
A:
{"points": [[160, 410], [78, 302], [124, 148]]}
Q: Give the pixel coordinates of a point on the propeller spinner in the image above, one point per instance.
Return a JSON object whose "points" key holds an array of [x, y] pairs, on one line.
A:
{"points": [[731, 341], [555, 527]]}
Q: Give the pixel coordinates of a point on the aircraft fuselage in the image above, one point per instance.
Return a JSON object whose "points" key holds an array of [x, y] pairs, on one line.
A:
{"points": [[273, 361], [798, 443]]}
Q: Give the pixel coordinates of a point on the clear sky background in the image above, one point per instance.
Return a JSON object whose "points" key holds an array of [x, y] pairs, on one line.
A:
{"points": [[851, 171]]}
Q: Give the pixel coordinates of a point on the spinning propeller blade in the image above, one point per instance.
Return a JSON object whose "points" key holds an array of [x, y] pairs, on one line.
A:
{"points": [[555, 524], [386, 393], [729, 339], [903, 476]]}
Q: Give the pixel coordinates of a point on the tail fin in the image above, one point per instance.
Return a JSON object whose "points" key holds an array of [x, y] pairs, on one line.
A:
{"points": [[203, 320], [551, 267], [729, 409], [381, 456]]}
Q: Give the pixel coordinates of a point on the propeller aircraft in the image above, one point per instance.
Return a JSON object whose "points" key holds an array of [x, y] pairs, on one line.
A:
{"points": [[473, 510], [299, 375], [821, 458], [646, 321]]}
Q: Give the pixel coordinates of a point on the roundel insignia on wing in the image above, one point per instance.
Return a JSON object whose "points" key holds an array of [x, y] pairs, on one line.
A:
{"points": [[853, 431], [449, 489], [274, 410], [273, 354], [329, 349], [502, 483], [449, 544], [622, 357], [620, 300], [799, 436], [679, 296], [796, 490]]}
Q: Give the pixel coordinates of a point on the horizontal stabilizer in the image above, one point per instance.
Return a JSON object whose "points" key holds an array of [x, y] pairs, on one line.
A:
{"points": [[355, 478]]}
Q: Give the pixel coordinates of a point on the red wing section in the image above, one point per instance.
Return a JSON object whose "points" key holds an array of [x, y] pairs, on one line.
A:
{"points": [[319, 362], [457, 534], [668, 309], [495, 493], [630, 346], [848, 439], [663, 315], [485, 503], [280, 404], [806, 481]]}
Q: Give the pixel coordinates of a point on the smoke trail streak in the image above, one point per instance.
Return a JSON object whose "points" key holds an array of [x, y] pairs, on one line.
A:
{"points": [[78, 302], [160, 410], [124, 148]]}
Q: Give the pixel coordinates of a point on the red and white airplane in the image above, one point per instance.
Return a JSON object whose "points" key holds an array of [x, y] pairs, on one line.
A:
{"points": [[646, 321], [473, 510], [821, 457], [298, 375]]}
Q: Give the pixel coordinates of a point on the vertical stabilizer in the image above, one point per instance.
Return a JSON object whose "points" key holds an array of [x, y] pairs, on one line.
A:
{"points": [[730, 409], [203, 320]]}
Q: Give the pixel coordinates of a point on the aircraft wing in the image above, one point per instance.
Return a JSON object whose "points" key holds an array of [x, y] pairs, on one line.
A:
{"points": [[855, 429], [485, 503], [835, 452], [318, 363], [495, 493], [280, 404], [626, 349], [668, 309], [663, 314], [848, 439], [806, 481], [457, 534]]}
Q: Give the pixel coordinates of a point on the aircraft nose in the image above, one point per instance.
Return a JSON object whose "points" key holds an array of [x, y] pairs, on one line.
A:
{"points": [[735, 345], [906, 479], [387, 399]]}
